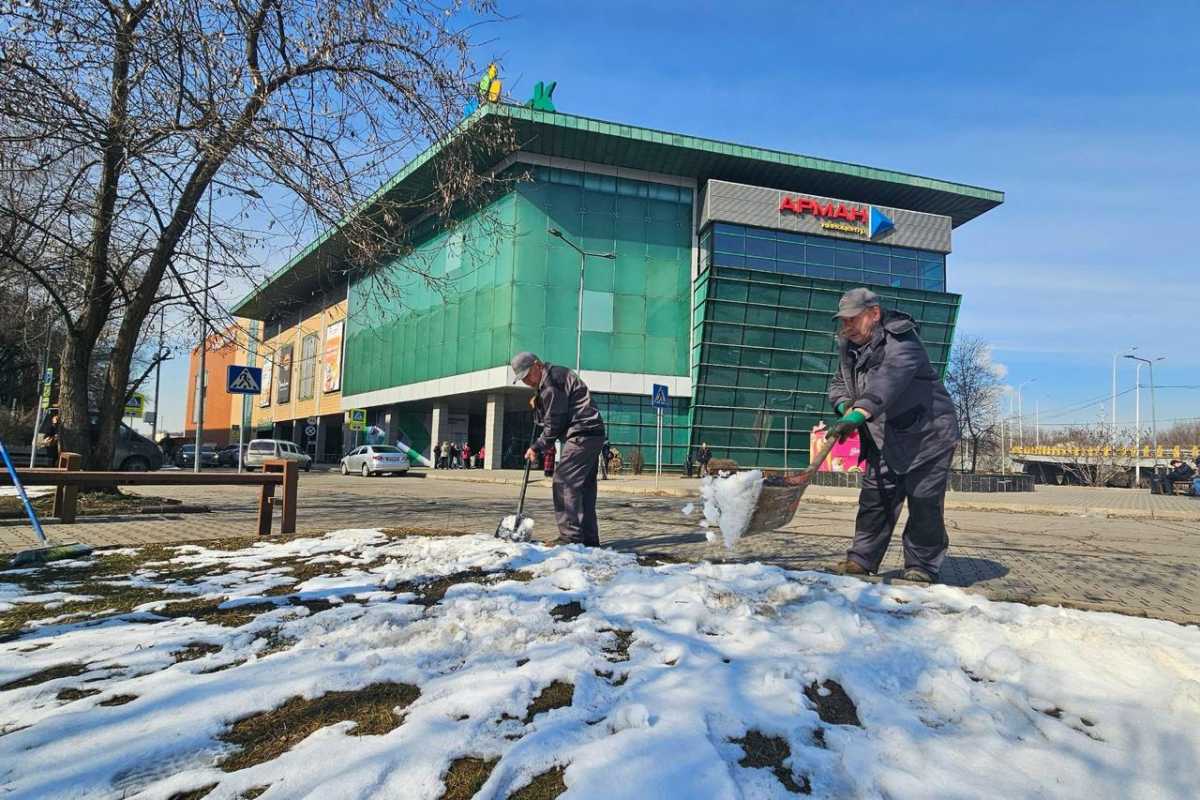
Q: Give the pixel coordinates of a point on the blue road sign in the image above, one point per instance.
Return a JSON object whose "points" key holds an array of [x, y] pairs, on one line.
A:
{"points": [[244, 380], [658, 397]]}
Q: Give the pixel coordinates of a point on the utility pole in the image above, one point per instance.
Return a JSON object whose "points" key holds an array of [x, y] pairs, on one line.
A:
{"points": [[1153, 414], [1020, 414], [45, 392], [162, 323], [201, 383], [1131, 349]]}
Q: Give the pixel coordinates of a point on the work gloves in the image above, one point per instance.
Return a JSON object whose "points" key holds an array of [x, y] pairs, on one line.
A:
{"points": [[847, 425]]}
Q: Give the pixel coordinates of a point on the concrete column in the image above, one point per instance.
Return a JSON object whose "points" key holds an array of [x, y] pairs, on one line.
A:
{"points": [[493, 431], [437, 428]]}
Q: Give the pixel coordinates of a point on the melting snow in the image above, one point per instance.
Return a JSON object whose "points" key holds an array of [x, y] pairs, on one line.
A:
{"points": [[729, 502], [510, 530], [958, 696]]}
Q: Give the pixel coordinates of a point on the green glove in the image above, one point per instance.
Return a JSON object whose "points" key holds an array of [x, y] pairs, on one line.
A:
{"points": [[847, 425], [840, 408]]}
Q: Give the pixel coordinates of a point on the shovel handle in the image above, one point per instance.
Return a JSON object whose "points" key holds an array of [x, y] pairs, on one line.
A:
{"points": [[525, 479], [822, 454]]}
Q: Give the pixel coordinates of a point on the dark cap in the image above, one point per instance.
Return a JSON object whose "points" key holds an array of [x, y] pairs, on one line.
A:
{"points": [[521, 364], [856, 301]]}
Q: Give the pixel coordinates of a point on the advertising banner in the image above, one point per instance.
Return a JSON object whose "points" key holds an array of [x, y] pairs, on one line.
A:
{"points": [[845, 456], [268, 375], [332, 361], [284, 381]]}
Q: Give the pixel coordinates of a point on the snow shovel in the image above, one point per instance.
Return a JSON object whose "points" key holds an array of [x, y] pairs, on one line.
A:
{"points": [[778, 501], [47, 552], [502, 530]]}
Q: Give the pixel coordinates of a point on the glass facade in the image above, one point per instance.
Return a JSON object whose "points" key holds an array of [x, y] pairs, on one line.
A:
{"points": [[764, 345], [858, 262], [512, 286]]}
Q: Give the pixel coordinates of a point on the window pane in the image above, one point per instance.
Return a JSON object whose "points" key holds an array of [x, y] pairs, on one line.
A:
{"points": [[598, 311], [903, 266], [764, 248], [725, 243], [820, 255], [849, 258], [791, 251]]}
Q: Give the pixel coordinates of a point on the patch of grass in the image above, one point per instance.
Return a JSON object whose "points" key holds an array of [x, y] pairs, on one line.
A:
{"points": [[619, 649], [118, 700], [194, 650], [194, 794], [566, 612], [89, 504], [209, 610], [834, 707], [223, 667], [431, 592], [264, 736], [45, 675], [545, 786], [465, 777], [73, 694], [405, 533], [255, 791], [558, 694], [769, 752]]}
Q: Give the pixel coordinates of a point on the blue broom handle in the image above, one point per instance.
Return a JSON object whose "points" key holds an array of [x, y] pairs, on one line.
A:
{"points": [[37, 526]]}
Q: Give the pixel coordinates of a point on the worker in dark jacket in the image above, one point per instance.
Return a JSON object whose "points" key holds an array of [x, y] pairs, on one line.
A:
{"points": [[886, 388], [566, 412]]}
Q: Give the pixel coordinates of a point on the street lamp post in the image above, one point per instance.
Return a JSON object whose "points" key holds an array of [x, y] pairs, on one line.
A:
{"points": [[1153, 416], [583, 254], [1114, 393], [1020, 416]]}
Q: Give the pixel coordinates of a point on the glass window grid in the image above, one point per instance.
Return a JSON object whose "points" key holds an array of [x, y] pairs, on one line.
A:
{"points": [[728, 245], [631, 422]]}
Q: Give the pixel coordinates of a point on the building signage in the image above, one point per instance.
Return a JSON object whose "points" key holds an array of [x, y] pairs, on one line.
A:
{"points": [[840, 217], [332, 360], [268, 370], [283, 380]]}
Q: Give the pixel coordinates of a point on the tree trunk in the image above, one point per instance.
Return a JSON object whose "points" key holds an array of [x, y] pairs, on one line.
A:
{"points": [[75, 435]]}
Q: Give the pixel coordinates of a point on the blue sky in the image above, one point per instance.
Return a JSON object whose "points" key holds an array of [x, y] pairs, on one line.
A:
{"points": [[1085, 114]]}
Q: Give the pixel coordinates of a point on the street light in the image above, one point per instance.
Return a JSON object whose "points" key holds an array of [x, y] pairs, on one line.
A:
{"points": [[1132, 348], [1020, 413], [583, 254], [1137, 470]]}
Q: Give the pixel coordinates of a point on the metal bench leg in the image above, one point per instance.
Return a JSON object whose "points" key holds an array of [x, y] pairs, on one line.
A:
{"points": [[265, 497], [291, 477]]}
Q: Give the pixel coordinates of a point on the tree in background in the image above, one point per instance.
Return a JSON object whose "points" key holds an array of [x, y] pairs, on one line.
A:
{"points": [[974, 383], [137, 141]]}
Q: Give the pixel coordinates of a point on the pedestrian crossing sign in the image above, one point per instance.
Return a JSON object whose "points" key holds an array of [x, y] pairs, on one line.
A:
{"points": [[356, 419], [658, 397], [243, 380]]}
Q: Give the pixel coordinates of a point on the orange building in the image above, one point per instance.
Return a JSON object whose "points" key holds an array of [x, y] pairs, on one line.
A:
{"points": [[222, 411]]}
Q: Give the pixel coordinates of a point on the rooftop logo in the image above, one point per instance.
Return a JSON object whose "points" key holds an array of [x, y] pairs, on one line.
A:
{"points": [[856, 220]]}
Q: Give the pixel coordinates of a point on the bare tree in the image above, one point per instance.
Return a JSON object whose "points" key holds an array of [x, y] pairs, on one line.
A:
{"points": [[144, 145], [974, 383]]}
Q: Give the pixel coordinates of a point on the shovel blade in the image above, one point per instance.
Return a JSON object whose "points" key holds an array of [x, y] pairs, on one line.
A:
{"points": [[775, 508], [514, 533]]}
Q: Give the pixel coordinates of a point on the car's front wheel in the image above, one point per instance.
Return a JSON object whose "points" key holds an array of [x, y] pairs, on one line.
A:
{"points": [[135, 464], [366, 473], [345, 469], [308, 466]]}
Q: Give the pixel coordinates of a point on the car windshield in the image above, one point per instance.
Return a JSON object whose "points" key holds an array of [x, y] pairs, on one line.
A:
{"points": [[385, 448], [188, 448], [262, 447]]}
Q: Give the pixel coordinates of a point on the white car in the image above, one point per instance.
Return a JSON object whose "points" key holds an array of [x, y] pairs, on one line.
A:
{"points": [[372, 459], [260, 450]]}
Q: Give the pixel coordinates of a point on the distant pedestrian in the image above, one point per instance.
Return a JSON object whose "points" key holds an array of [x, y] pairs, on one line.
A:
{"points": [[445, 455], [48, 435], [466, 456], [566, 413], [479, 458], [605, 455], [689, 462], [703, 456]]}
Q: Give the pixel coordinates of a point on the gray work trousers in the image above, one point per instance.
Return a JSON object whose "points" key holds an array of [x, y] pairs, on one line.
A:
{"points": [[575, 490], [879, 503]]}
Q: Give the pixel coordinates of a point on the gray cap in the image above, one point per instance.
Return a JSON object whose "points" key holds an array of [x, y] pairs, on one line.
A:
{"points": [[521, 364], [856, 301]]}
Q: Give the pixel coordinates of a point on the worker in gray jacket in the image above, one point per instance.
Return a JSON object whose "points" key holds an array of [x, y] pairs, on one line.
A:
{"points": [[566, 412], [886, 389]]}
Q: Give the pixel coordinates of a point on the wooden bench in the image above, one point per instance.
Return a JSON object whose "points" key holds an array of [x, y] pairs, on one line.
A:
{"points": [[68, 477]]}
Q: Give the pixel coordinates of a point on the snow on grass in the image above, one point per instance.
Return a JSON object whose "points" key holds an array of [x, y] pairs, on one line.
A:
{"points": [[729, 502], [516, 662], [30, 491]]}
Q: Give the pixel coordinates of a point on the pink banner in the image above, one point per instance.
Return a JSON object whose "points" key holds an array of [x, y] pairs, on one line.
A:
{"points": [[845, 457]]}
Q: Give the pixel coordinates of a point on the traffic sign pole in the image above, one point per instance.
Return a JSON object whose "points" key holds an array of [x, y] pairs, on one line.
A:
{"points": [[658, 450]]}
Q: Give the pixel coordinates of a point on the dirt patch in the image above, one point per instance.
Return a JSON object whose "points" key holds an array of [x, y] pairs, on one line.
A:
{"points": [[567, 611], [194, 794], [209, 610], [558, 694], [432, 592], [769, 752], [45, 675], [404, 533], [118, 700], [545, 786], [618, 650], [254, 792], [73, 694], [834, 706], [653, 559], [194, 650], [466, 776], [223, 667], [267, 735], [89, 504]]}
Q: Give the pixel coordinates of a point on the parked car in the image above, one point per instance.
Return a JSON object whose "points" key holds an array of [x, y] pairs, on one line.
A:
{"points": [[260, 450], [132, 453], [373, 459], [228, 456], [186, 457]]}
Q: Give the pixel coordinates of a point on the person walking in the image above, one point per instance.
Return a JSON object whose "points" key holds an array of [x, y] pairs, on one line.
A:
{"points": [[703, 456], [445, 455], [886, 388], [466, 456], [605, 455], [48, 435], [566, 412]]}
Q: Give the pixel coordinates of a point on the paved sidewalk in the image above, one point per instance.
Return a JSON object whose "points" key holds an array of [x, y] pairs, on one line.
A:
{"points": [[1131, 565], [1055, 500]]}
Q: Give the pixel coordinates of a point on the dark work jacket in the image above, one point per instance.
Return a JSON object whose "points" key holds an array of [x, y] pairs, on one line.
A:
{"points": [[1181, 473], [912, 417], [564, 407]]}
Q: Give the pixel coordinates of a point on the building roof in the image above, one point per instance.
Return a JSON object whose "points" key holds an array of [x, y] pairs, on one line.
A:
{"points": [[632, 147]]}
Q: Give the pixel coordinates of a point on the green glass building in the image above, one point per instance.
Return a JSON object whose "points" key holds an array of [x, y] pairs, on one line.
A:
{"points": [[712, 268]]}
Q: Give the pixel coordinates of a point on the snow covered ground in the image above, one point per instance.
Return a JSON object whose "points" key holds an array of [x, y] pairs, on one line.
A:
{"points": [[681, 681]]}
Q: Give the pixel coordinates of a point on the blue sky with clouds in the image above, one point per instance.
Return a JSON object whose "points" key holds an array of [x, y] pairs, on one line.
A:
{"points": [[1084, 114]]}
